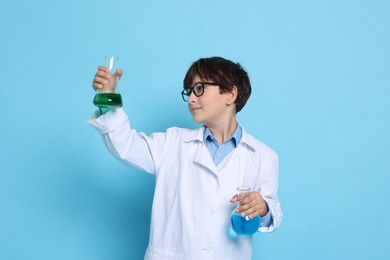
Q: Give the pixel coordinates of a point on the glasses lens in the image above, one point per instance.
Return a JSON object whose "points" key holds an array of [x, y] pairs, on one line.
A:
{"points": [[185, 94], [198, 89]]}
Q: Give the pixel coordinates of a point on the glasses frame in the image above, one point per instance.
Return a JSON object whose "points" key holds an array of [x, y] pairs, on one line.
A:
{"points": [[186, 94]]}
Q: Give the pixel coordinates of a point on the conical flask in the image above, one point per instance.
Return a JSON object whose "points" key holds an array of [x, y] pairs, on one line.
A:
{"points": [[108, 96]]}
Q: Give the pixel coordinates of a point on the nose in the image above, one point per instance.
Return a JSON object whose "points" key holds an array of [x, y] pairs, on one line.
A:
{"points": [[192, 98]]}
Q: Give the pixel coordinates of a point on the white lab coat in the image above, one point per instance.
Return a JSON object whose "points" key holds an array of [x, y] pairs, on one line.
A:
{"points": [[191, 207]]}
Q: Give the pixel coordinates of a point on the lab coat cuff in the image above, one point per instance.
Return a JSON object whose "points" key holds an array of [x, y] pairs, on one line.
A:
{"points": [[275, 218], [109, 121], [266, 220]]}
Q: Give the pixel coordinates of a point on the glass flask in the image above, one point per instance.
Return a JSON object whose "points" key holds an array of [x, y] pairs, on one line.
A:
{"points": [[244, 225], [108, 96]]}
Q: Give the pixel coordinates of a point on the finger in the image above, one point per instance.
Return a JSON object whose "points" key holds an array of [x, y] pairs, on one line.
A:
{"points": [[247, 207], [260, 208], [262, 211], [251, 201], [102, 68], [97, 86], [100, 80], [252, 211], [251, 197], [103, 74], [254, 214]]}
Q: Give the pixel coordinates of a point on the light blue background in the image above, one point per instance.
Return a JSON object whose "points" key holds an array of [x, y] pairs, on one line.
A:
{"points": [[321, 99]]}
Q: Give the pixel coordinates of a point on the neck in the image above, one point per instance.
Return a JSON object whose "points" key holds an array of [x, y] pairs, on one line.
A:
{"points": [[223, 132]]}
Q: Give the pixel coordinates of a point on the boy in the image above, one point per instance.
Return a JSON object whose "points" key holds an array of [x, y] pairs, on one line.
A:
{"points": [[197, 171]]}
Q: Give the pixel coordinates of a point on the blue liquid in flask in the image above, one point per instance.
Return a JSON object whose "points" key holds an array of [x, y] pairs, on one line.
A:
{"points": [[244, 226]]}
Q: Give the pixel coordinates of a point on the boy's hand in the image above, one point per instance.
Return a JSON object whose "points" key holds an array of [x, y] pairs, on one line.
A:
{"points": [[251, 205], [104, 81]]}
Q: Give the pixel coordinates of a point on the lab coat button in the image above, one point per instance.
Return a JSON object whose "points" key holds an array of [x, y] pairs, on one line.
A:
{"points": [[208, 250], [212, 213]]}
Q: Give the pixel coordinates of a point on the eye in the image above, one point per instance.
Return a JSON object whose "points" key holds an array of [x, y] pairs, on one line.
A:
{"points": [[198, 88]]}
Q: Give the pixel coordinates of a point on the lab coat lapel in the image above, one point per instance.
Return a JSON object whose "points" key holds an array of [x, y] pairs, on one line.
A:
{"points": [[203, 158], [202, 154]]}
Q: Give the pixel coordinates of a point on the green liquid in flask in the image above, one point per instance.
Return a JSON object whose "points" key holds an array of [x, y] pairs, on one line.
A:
{"points": [[108, 100]]}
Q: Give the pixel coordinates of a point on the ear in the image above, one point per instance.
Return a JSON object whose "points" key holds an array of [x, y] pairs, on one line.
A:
{"points": [[231, 96]]}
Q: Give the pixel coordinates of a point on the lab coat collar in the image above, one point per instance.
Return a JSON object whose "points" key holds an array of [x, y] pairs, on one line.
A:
{"points": [[197, 135], [202, 156], [248, 139]]}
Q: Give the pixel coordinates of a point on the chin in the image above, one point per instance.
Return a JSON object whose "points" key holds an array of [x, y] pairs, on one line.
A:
{"points": [[197, 120]]}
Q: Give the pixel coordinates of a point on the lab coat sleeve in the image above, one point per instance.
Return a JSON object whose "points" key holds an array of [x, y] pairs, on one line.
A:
{"points": [[126, 144], [268, 187]]}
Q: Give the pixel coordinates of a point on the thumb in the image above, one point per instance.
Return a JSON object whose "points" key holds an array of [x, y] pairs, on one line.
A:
{"points": [[119, 73], [234, 199]]}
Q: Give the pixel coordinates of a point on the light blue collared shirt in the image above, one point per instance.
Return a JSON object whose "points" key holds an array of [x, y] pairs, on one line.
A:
{"points": [[219, 152]]}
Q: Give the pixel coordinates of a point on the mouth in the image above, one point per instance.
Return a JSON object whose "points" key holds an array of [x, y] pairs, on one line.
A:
{"points": [[194, 109]]}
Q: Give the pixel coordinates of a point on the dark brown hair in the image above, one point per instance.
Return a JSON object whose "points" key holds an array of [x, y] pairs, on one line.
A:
{"points": [[223, 72]]}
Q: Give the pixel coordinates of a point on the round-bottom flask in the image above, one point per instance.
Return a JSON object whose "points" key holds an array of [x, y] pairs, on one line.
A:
{"points": [[244, 225]]}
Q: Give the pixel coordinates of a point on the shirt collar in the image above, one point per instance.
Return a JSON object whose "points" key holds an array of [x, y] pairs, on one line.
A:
{"points": [[236, 137]]}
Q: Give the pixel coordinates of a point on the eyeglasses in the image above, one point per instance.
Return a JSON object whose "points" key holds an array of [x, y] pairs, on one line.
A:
{"points": [[197, 88]]}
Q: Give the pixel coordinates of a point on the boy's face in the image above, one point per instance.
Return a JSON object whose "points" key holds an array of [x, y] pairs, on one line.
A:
{"points": [[211, 108]]}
